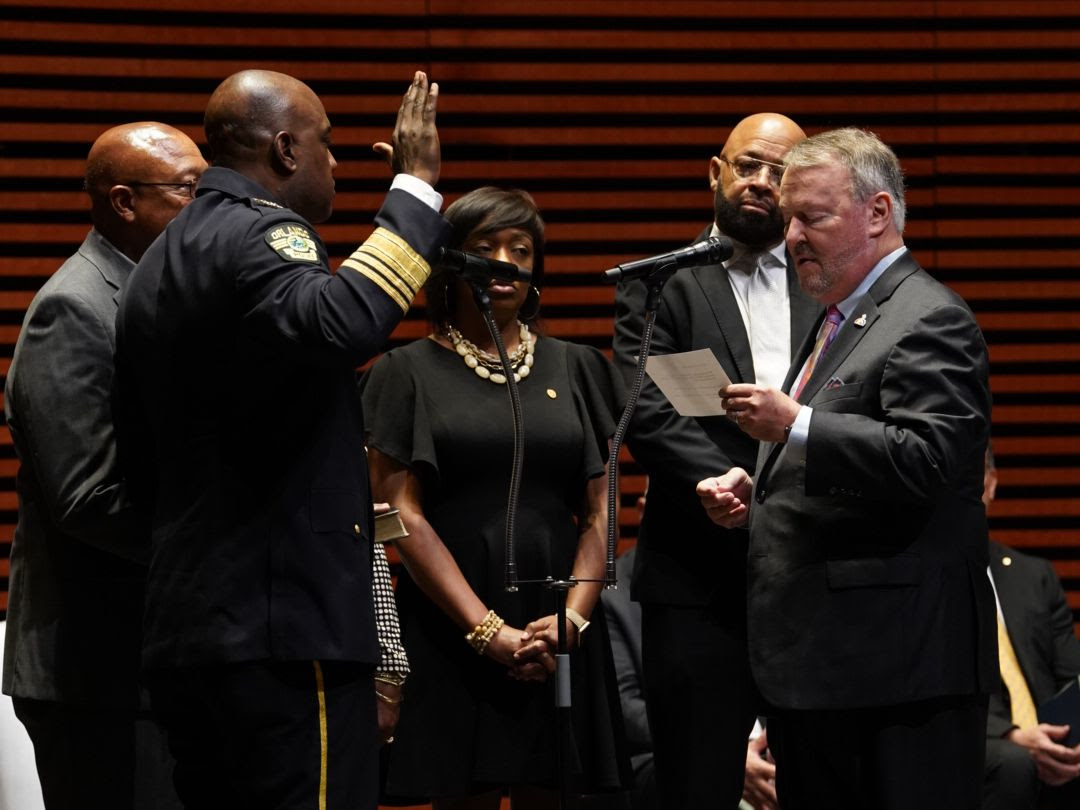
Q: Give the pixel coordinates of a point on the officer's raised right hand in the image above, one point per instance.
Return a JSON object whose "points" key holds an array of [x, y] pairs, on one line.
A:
{"points": [[416, 140]]}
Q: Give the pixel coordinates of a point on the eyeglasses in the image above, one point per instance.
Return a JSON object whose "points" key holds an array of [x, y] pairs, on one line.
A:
{"points": [[747, 167], [188, 188]]}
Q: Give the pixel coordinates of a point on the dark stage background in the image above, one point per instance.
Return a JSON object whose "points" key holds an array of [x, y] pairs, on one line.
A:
{"points": [[608, 112]]}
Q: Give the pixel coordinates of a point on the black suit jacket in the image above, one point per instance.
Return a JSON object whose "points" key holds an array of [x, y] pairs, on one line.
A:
{"points": [[236, 354], [78, 559], [1040, 626], [868, 562], [683, 558]]}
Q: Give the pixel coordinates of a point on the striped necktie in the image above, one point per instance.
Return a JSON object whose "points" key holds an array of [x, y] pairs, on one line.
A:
{"points": [[826, 333]]}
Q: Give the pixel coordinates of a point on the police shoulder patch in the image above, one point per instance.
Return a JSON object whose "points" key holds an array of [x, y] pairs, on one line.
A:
{"points": [[292, 241]]}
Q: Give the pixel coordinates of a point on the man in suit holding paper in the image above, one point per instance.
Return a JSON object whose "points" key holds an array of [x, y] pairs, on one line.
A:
{"points": [[1028, 763], [690, 575], [871, 620]]}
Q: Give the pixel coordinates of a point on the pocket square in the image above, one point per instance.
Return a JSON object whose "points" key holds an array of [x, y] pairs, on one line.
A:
{"points": [[834, 382]]}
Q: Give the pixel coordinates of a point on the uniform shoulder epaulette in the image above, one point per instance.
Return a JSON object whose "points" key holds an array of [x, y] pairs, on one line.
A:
{"points": [[266, 203]]}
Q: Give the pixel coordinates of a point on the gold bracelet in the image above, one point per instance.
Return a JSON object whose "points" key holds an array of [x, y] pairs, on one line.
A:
{"points": [[387, 699], [484, 632], [390, 678], [580, 623]]}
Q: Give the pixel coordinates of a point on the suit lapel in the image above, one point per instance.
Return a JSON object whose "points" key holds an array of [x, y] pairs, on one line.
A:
{"points": [[862, 317], [861, 320], [805, 312], [716, 287], [113, 266], [716, 290], [717, 293], [803, 352], [806, 317], [859, 324]]}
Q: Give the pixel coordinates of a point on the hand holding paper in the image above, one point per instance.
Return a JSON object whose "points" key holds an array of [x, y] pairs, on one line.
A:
{"points": [[690, 380]]}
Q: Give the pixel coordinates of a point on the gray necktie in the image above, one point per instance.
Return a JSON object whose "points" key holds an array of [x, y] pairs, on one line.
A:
{"points": [[770, 330]]}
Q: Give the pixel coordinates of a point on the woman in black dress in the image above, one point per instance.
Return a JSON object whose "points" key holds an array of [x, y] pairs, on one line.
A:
{"points": [[478, 713]]}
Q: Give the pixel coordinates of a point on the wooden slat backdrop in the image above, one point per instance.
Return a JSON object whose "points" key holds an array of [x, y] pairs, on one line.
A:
{"points": [[608, 112]]}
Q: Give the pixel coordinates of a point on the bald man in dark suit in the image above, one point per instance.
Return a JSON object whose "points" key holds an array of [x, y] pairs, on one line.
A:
{"points": [[690, 575]]}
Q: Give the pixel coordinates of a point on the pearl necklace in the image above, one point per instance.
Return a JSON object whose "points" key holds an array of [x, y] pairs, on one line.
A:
{"points": [[489, 366]]}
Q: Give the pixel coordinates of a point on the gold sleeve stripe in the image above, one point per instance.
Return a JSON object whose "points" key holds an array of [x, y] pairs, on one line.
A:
{"points": [[390, 262], [387, 282], [320, 691]]}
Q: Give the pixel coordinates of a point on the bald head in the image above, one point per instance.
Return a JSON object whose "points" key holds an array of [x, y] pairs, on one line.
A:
{"points": [[762, 129], [128, 175], [273, 129], [248, 109], [138, 151], [745, 179]]}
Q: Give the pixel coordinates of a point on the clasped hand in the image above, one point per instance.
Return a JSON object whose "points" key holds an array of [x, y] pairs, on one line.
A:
{"points": [[1056, 764], [528, 654], [726, 498]]}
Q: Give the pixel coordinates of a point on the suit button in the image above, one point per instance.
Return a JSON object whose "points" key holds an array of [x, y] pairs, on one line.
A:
{"points": [[356, 529]]}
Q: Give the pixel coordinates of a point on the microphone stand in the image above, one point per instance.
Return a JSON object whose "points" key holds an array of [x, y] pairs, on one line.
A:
{"points": [[654, 282], [483, 304], [559, 587]]}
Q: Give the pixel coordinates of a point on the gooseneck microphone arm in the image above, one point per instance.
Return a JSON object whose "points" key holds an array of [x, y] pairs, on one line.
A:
{"points": [[652, 302], [654, 272], [479, 272], [713, 250], [483, 303]]}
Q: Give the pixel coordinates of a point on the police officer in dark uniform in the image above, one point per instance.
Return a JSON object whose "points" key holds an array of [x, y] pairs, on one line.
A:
{"points": [[236, 350]]}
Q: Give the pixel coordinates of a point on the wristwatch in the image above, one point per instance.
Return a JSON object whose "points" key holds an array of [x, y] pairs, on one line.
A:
{"points": [[579, 621]]}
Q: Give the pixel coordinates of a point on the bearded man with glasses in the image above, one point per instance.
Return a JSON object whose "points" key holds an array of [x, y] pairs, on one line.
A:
{"points": [[690, 575]]}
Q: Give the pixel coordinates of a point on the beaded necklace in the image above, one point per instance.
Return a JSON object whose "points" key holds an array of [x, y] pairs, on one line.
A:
{"points": [[489, 366]]}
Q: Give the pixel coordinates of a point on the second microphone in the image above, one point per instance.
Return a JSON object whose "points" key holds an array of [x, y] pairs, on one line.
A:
{"points": [[713, 250]]}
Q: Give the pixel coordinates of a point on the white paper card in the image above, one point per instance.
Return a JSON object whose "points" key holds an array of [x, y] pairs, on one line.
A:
{"points": [[690, 381]]}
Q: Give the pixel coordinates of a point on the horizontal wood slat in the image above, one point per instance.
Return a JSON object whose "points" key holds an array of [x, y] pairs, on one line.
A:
{"points": [[608, 112]]}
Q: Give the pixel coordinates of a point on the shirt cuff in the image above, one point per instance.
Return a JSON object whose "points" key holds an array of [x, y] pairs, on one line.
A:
{"points": [[800, 434], [419, 189]]}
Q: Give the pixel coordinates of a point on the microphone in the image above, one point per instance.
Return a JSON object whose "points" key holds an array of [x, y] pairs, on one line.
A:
{"points": [[713, 250], [481, 270]]}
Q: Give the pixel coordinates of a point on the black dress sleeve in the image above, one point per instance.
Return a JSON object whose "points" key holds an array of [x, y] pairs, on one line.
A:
{"points": [[599, 396], [395, 411]]}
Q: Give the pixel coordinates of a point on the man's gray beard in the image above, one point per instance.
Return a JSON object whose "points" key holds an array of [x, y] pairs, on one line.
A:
{"points": [[753, 230]]}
